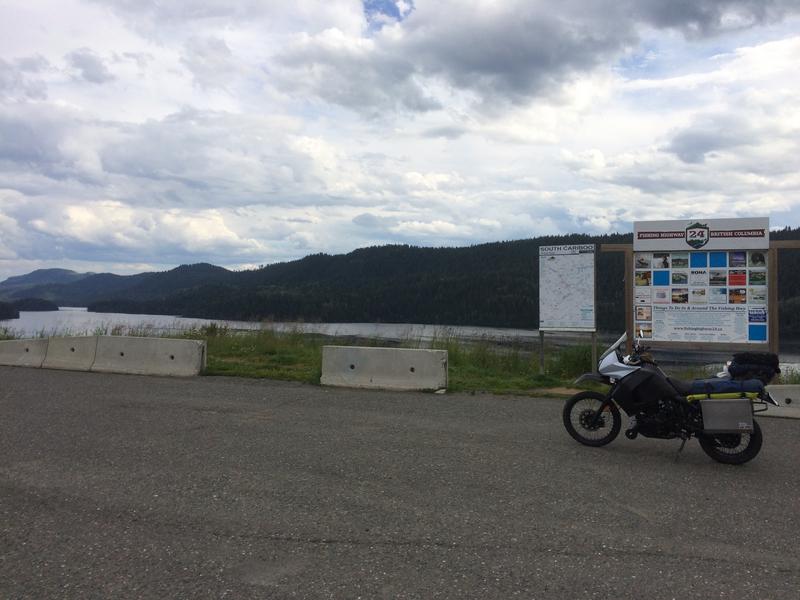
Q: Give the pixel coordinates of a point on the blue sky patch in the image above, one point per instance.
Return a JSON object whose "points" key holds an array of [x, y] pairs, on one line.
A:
{"points": [[379, 11]]}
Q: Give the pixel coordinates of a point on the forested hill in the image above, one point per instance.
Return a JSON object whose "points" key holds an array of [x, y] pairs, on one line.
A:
{"points": [[489, 284]]}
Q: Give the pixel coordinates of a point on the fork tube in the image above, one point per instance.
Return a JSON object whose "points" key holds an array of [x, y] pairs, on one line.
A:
{"points": [[609, 400]]}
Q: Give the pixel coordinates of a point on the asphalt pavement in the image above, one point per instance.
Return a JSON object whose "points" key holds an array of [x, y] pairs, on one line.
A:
{"points": [[118, 486]]}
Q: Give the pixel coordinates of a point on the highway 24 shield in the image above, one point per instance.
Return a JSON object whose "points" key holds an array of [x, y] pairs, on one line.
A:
{"points": [[697, 235]]}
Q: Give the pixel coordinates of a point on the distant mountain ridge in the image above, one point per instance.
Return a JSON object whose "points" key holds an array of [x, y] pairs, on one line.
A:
{"points": [[14, 287], [81, 289], [494, 284]]}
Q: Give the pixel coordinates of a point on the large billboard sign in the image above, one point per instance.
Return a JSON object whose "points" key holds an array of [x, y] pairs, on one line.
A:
{"points": [[701, 280], [566, 288]]}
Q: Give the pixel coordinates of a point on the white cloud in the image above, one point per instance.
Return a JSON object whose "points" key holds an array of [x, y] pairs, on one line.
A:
{"points": [[245, 132], [89, 66], [112, 227]]}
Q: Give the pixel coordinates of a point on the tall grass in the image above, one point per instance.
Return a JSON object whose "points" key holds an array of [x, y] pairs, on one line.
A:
{"points": [[289, 356], [788, 376], [569, 362], [487, 366]]}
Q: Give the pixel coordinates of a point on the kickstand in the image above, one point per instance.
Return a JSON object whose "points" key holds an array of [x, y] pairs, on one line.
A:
{"points": [[678, 454]]}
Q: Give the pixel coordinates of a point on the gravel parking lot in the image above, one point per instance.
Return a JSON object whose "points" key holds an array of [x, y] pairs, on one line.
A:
{"points": [[116, 486]]}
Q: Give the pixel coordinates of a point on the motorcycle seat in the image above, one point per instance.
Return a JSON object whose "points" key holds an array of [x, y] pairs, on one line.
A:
{"points": [[682, 387], [720, 385]]}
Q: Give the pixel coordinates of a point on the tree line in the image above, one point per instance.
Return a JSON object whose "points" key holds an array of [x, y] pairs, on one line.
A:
{"points": [[493, 284]]}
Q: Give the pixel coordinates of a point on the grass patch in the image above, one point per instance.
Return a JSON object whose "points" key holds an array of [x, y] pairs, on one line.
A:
{"points": [[264, 353], [485, 367]]}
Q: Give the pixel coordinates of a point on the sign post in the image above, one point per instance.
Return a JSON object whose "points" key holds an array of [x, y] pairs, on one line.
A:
{"points": [[567, 292]]}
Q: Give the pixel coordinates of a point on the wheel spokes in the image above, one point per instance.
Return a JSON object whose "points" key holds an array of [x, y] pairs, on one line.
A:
{"points": [[583, 414]]}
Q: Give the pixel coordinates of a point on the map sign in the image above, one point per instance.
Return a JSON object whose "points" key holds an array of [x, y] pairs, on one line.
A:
{"points": [[701, 280], [566, 288]]}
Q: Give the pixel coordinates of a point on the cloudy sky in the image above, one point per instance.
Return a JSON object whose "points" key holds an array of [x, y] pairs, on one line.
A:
{"points": [[142, 134]]}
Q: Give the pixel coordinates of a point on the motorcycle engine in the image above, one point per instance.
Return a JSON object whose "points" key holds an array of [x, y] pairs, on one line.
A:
{"points": [[663, 421]]}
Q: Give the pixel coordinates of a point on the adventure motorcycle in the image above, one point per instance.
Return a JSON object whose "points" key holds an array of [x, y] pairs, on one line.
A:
{"points": [[718, 411]]}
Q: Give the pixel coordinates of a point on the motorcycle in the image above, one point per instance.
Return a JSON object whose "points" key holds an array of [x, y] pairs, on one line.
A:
{"points": [[717, 411]]}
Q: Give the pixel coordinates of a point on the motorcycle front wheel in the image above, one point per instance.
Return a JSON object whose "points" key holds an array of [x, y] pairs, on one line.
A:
{"points": [[579, 413], [732, 448]]}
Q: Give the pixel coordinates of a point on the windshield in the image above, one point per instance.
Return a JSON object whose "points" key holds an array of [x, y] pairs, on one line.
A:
{"points": [[614, 346]]}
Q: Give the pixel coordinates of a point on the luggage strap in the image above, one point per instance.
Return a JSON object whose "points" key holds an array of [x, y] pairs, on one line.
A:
{"points": [[723, 396]]}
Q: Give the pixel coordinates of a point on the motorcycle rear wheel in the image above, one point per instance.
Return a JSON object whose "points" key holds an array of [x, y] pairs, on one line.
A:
{"points": [[579, 412], [732, 448]]}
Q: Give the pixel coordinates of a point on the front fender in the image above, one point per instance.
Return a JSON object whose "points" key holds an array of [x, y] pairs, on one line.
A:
{"points": [[592, 377]]}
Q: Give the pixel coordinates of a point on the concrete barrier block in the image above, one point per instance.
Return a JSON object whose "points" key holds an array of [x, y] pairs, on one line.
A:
{"points": [[385, 368], [788, 396], [70, 353], [149, 356], [23, 353]]}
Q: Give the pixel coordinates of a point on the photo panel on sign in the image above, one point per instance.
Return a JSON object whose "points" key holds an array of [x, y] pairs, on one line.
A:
{"points": [[698, 260], [737, 258], [660, 277], [642, 278], [698, 277], [661, 260], [680, 295], [737, 277], [680, 278], [757, 277], [717, 295], [718, 277], [757, 258], [717, 260], [680, 260], [644, 260], [662, 295], [642, 295], [698, 296], [757, 295], [737, 296]]}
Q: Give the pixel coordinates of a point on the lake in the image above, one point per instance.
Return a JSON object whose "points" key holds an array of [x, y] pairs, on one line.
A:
{"points": [[79, 321]]}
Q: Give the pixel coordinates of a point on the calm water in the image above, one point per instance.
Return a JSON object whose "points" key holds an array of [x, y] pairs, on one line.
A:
{"points": [[79, 321]]}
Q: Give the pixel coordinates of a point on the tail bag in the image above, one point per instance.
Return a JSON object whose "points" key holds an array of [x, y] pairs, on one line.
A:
{"points": [[754, 365]]}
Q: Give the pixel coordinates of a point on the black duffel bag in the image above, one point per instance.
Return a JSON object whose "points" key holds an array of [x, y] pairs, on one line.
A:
{"points": [[754, 365]]}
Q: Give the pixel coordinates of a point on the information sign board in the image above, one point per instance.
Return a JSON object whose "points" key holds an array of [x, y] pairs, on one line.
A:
{"points": [[566, 288], [701, 280]]}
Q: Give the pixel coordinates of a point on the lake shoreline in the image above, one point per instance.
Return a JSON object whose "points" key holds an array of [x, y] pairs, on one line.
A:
{"points": [[80, 321]]}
